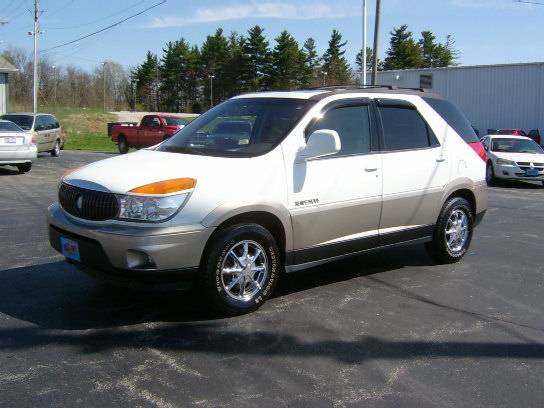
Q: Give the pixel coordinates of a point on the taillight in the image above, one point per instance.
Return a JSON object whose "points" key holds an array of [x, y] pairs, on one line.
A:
{"points": [[34, 140], [479, 149]]}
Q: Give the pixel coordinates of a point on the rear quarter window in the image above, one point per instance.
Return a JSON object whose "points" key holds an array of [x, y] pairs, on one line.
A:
{"points": [[453, 117]]}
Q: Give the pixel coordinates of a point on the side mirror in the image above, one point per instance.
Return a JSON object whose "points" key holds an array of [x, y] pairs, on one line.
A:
{"points": [[323, 142]]}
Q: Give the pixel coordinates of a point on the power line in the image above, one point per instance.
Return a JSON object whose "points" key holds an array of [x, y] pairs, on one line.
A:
{"points": [[98, 19], [530, 2], [105, 28]]}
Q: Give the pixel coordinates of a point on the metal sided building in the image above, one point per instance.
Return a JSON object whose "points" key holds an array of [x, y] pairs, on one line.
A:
{"points": [[491, 96], [5, 69]]}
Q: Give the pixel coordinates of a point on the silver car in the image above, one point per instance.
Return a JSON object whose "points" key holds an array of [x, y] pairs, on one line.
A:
{"points": [[44, 128], [16, 147]]}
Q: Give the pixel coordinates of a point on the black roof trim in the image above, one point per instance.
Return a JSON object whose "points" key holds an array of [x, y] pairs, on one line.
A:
{"points": [[344, 89]]}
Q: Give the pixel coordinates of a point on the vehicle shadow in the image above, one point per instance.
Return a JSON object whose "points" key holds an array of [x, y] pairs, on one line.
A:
{"points": [[58, 296], [9, 171], [515, 184], [67, 308]]}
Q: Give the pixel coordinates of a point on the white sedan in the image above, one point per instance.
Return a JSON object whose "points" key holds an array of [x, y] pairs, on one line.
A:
{"points": [[16, 147], [514, 158]]}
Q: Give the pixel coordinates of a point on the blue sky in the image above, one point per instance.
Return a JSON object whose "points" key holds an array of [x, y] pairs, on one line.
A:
{"points": [[486, 31]]}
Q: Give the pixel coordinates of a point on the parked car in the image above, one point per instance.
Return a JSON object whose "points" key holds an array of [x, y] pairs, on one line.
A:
{"points": [[153, 129], [514, 158], [16, 147], [44, 128], [276, 181]]}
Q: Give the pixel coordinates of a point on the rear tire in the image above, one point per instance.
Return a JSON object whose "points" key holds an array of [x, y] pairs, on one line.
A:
{"points": [[453, 232], [240, 269], [122, 144], [56, 150], [25, 167], [490, 174]]}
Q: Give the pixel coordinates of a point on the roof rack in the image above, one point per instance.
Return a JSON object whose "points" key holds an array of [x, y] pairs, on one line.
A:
{"points": [[352, 86]]}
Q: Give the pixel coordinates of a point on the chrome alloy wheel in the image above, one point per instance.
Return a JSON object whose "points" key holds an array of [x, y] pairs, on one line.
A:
{"points": [[244, 270], [457, 231]]}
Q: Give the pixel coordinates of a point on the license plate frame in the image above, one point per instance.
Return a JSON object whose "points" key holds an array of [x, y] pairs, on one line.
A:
{"points": [[70, 248], [532, 173]]}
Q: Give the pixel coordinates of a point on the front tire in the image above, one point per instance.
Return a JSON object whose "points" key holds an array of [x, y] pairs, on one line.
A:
{"points": [[490, 174], [453, 232], [56, 150], [240, 269], [122, 145]]}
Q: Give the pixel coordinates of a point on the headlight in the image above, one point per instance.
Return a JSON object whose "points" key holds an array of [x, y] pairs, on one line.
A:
{"points": [[145, 208], [504, 162], [156, 201]]}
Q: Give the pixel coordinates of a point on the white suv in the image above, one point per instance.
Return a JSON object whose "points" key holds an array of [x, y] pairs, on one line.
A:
{"points": [[277, 181]]}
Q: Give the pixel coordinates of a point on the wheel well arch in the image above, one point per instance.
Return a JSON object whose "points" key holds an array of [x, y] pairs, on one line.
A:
{"points": [[120, 135], [468, 195], [265, 219]]}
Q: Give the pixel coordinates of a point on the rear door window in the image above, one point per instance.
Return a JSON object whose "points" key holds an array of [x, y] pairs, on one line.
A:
{"points": [[41, 123], [453, 117], [403, 127]]}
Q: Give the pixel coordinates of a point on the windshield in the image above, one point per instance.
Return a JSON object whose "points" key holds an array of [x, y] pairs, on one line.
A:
{"points": [[239, 127], [515, 145], [173, 121], [23, 121], [6, 126]]}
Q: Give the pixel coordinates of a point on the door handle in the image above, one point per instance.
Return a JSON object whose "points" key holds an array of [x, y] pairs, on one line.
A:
{"points": [[370, 169], [441, 159]]}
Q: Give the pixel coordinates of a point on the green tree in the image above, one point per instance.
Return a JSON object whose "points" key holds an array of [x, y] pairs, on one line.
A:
{"points": [[404, 52], [445, 54], [334, 62], [257, 75], [214, 56], [428, 48], [147, 82], [236, 65], [174, 71], [311, 64], [288, 62]]}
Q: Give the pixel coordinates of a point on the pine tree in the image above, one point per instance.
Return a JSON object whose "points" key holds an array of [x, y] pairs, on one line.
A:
{"points": [[214, 57], [257, 75], [334, 62], [311, 64], [428, 49], [174, 70], [147, 82], [287, 62], [237, 64], [403, 51]]}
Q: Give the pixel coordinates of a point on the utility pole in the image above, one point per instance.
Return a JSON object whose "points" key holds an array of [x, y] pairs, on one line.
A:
{"points": [[36, 80], [104, 83], [363, 55], [375, 48], [211, 89], [54, 84]]}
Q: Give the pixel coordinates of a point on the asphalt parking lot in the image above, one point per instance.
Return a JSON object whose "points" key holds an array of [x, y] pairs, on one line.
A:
{"points": [[386, 329]]}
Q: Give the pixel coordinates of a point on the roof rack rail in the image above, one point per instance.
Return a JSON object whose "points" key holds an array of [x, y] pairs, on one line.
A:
{"points": [[352, 86]]}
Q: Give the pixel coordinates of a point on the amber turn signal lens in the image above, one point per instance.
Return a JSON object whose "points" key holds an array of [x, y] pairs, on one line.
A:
{"points": [[166, 186]]}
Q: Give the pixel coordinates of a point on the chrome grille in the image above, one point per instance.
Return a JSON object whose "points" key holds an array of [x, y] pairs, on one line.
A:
{"points": [[88, 204]]}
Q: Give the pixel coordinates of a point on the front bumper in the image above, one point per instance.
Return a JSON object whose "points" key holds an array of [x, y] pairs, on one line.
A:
{"points": [[104, 248], [19, 156], [515, 173]]}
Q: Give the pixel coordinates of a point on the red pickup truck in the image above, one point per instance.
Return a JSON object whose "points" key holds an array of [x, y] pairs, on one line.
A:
{"points": [[153, 129]]}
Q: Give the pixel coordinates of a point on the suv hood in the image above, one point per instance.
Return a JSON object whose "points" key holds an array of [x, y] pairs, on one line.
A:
{"points": [[121, 174], [521, 157]]}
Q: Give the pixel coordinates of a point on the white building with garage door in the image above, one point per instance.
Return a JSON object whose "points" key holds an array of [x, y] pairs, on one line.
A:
{"points": [[491, 96], [5, 69]]}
